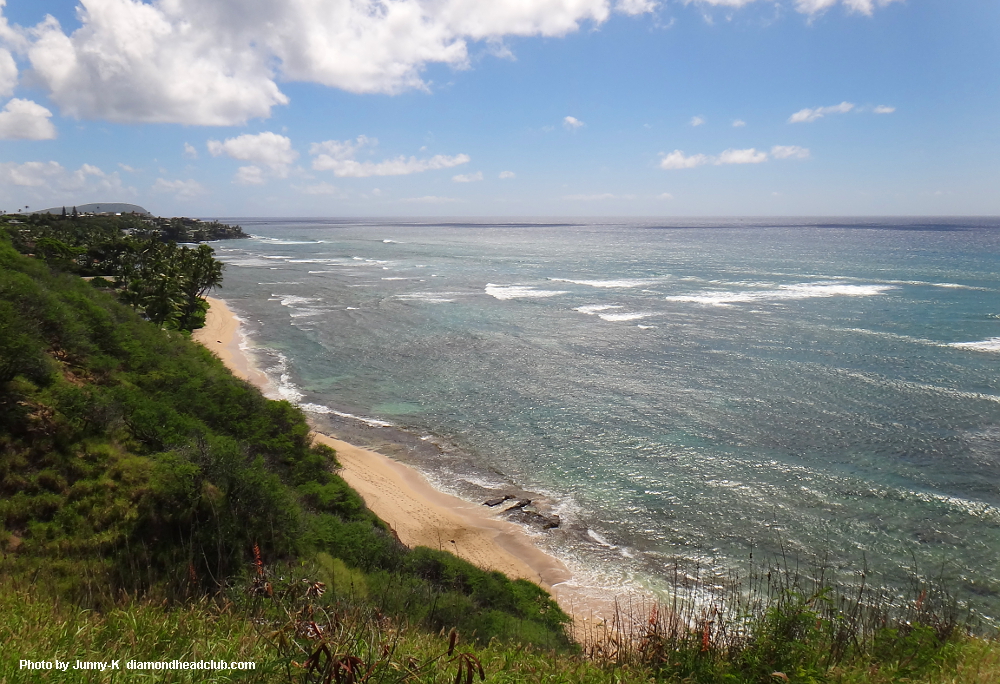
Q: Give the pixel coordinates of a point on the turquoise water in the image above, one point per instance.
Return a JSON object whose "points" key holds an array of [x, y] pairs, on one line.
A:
{"points": [[677, 391]]}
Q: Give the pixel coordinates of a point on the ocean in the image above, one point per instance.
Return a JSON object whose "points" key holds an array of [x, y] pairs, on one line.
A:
{"points": [[680, 393]]}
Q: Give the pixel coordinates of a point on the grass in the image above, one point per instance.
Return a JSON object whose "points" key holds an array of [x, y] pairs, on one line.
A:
{"points": [[322, 621]]}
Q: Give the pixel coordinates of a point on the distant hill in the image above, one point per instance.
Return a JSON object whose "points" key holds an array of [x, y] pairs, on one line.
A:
{"points": [[97, 208]]}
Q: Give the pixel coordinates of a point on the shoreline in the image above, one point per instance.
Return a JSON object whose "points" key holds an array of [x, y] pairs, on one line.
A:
{"points": [[419, 514]]}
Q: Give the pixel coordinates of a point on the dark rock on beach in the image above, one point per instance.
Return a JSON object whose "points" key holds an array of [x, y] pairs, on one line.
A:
{"points": [[532, 518], [499, 500]]}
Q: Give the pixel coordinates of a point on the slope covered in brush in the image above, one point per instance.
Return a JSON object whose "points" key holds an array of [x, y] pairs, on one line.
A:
{"points": [[131, 458]]}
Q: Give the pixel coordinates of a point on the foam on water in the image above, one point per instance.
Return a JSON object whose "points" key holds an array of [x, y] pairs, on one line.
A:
{"points": [[293, 300], [429, 297], [990, 345], [616, 283], [505, 292], [277, 241], [593, 309], [308, 312], [326, 410], [616, 317], [784, 292]]}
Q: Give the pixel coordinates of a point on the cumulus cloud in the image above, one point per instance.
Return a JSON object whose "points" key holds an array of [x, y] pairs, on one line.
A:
{"points": [[677, 160], [181, 189], [507, 174], [338, 156], [26, 120], [571, 123], [789, 152], [190, 152], [270, 149], [468, 177], [218, 63], [51, 182], [697, 120], [748, 156], [249, 175], [739, 123], [807, 115], [665, 196], [30, 174], [8, 73], [884, 109]]}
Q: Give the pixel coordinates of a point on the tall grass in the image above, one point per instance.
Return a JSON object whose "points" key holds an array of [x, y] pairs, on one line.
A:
{"points": [[783, 622], [324, 622]]}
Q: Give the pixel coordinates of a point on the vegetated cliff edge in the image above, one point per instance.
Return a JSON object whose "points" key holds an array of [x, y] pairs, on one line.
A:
{"points": [[132, 459]]}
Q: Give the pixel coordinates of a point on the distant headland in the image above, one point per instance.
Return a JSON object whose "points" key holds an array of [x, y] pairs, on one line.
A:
{"points": [[98, 208]]}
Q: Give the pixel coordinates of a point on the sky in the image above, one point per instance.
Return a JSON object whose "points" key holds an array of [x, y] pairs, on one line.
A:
{"points": [[228, 108]]}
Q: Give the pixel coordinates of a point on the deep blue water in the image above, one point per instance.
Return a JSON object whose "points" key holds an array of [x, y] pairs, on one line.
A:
{"points": [[675, 389]]}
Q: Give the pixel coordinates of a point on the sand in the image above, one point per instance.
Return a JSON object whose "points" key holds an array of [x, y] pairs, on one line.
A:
{"points": [[398, 494]]}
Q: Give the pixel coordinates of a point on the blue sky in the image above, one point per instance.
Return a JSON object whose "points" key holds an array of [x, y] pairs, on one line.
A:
{"points": [[460, 107]]}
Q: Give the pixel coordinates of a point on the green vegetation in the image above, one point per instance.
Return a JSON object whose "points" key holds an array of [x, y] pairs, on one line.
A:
{"points": [[154, 507], [135, 255], [132, 460]]}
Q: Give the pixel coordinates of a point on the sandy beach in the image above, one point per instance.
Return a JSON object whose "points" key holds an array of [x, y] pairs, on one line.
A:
{"points": [[400, 495]]}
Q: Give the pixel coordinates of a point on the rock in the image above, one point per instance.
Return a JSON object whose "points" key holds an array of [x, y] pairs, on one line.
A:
{"points": [[533, 519], [520, 504], [496, 502]]}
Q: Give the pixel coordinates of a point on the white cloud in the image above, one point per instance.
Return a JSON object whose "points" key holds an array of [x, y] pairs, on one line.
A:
{"points": [[572, 123], [338, 156], [723, 3], [677, 160], [665, 196], [806, 115], [697, 121], [270, 149], [507, 174], [217, 63], [126, 167], [597, 197], [739, 123], [468, 177], [51, 182], [30, 174], [790, 152], [249, 175], [748, 156], [26, 120], [884, 109], [189, 151], [635, 7], [8, 72], [860, 6], [181, 189], [809, 6]]}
